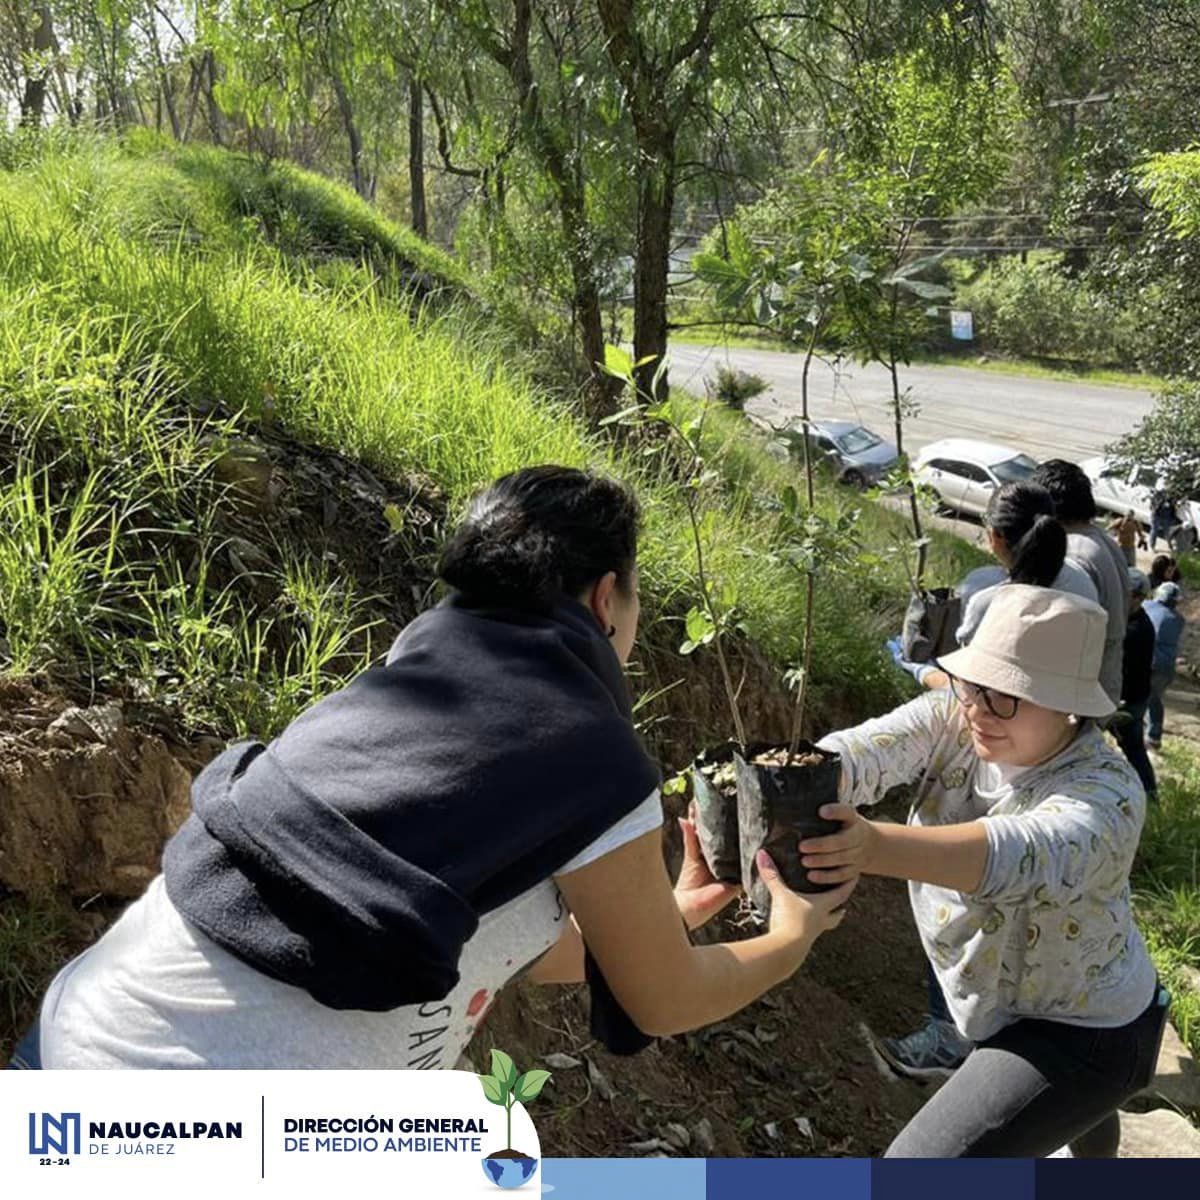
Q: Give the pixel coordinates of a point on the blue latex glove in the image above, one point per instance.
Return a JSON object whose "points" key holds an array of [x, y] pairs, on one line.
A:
{"points": [[917, 670]]}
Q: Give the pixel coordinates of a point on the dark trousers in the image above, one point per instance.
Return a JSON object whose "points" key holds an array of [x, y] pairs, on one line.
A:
{"points": [[1036, 1086], [1131, 737], [1159, 682], [938, 1009]]}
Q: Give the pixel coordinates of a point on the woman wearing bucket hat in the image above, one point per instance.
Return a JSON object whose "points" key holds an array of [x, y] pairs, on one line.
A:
{"points": [[1017, 852]]}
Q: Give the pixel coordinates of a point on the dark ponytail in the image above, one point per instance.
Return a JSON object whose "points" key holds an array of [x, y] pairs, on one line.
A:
{"points": [[541, 533], [1022, 513]]}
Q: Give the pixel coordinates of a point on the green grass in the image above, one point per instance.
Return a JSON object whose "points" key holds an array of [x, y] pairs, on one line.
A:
{"points": [[36, 936], [1189, 568], [1080, 373], [134, 298], [1167, 885], [716, 334]]}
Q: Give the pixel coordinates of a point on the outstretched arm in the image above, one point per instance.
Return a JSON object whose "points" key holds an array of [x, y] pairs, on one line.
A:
{"points": [[950, 856], [629, 916], [698, 896]]}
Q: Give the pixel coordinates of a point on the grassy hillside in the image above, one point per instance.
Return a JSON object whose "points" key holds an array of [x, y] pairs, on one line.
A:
{"points": [[161, 313]]}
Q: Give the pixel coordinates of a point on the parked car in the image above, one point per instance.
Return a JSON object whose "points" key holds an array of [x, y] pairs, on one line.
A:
{"points": [[858, 456], [964, 472], [1121, 489], [1129, 489]]}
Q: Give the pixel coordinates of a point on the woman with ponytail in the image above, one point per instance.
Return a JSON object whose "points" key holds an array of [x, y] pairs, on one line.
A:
{"points": [[1031, 546], [478, 807]]}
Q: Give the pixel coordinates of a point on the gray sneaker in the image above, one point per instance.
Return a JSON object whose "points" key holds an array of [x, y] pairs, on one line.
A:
{"points": [[935, 1051]]}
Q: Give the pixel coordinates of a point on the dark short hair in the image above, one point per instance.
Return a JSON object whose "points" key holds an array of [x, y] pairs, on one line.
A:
{"points": [[1164, 569], [1070, 488], [540, 533]]}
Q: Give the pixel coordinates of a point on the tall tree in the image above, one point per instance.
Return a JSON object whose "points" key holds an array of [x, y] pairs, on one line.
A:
{"points": [[44, 48]]}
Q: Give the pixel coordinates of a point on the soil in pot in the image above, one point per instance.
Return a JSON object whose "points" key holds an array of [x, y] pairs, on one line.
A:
{"points": [[714, 785], [778, 805]]}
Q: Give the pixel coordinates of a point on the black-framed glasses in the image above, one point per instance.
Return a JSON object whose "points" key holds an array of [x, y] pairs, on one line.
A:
{"points": [[1001, 705]]}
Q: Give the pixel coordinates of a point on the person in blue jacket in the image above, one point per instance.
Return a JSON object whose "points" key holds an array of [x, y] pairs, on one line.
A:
{"points": [[1168, 625]]}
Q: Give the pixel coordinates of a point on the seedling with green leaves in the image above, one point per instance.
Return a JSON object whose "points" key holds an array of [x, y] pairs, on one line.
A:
{"points": [[504, 1086], [716, 614]]}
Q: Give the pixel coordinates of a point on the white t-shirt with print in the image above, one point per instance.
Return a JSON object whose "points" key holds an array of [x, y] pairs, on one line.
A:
{"points": [[155, 992]]}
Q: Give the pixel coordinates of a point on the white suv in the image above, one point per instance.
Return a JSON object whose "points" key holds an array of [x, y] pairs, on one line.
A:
{"points": [[964, 473], [1118, 490]]}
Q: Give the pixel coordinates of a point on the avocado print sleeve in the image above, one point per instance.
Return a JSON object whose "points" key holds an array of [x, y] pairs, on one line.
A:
{"points": [[891, 750], [1077, 841]]}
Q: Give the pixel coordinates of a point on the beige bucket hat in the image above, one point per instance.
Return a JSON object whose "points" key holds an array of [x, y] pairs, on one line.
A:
{"points": [[1042, 645]]}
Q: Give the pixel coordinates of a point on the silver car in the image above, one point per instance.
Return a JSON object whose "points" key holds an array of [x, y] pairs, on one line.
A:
{"points": [[858, 456]]}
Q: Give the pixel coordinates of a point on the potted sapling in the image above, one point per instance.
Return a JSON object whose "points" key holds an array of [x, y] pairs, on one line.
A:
{"points": [[781, 789], [798, 283], [713, 772], [748, 794]]}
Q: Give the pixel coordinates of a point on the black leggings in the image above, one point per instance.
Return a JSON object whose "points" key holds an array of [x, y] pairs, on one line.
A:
{"points": [[1036, 1086]]}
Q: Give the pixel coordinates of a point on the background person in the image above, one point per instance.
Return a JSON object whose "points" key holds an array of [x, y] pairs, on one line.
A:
{"points": [[1164, 569], [1097, 554], [1137, 665], [1030, 545], [1168, 635], [1164, 518], [1126, 530]]}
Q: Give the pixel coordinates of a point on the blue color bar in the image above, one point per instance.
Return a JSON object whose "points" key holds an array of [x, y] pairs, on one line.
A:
{"points": [[622, 1179], [791, 1179]]}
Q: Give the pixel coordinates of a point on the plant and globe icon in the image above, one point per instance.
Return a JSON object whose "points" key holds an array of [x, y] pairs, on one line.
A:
{"points": [[510, 1168]]}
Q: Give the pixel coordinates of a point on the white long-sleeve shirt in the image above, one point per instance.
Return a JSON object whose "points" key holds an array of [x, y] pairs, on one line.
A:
{"points": [[1049, 933]]}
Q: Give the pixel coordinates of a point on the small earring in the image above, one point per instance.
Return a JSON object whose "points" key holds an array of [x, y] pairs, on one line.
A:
{"points": [[1072, 719], [612, 631]]}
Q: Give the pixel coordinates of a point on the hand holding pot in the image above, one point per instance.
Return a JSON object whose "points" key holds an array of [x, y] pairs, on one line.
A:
{"points": [[799, 917], [843, 856], [699, 895]]}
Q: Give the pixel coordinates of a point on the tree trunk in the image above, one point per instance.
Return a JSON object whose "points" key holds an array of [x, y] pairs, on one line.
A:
{"points": [[600, 399], [346, 108], [164, 76], [656, 202], [416, 156], [216, 119], [602, 390], [193, 95], [33, 102]]}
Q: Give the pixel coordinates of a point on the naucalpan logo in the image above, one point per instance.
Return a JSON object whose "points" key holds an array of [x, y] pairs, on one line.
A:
{"points": [[55, 1135], [292, 1129], [61, 1133]]}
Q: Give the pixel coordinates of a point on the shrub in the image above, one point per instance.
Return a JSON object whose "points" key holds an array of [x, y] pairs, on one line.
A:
{"points": [[734, 387], [1034, 310]]}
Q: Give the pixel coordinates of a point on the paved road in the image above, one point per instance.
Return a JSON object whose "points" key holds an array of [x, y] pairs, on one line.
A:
{"points": [[1047, 418]]}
